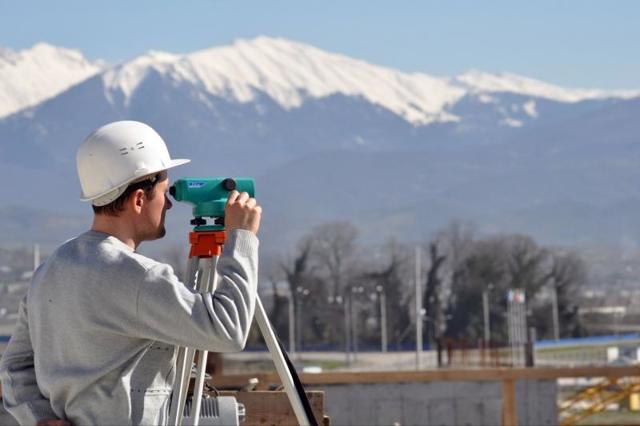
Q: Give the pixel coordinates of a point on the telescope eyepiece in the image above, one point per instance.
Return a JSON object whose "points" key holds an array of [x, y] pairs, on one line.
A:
{"points": [[229, 184], [172, 191]]}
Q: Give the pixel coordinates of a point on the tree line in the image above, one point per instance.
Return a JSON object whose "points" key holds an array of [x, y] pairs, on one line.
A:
{"points": [[338, 285]]}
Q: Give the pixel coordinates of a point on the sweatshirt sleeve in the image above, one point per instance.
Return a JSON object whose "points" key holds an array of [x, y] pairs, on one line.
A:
{"points": [[217, 321], [20, 393]]}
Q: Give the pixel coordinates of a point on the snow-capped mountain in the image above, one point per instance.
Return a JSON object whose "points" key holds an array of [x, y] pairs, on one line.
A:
{"points": [[290, 72], [331, 137], [286, 71], [31, 76]]}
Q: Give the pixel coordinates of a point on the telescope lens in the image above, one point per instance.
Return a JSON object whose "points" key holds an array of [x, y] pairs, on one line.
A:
{"points": [[229, 184]]}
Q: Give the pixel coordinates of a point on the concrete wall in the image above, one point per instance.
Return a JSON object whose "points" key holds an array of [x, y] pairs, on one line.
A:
{"points": [[438, 403], [430, 403]]}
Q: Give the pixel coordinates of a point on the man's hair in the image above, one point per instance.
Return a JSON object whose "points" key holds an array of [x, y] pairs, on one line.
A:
{"points": [[116, 207]]}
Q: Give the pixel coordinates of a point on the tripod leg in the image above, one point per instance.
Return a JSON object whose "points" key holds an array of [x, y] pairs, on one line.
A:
{"points": [[280, 364], [182, 367], [177, 386], [202, 282], [194, 417]]}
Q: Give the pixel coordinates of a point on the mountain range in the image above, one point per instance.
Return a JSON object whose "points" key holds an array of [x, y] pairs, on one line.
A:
{"points": [[329, 137]]}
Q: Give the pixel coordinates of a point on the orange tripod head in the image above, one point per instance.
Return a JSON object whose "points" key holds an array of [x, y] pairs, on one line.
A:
{"points": [[206, 243]]}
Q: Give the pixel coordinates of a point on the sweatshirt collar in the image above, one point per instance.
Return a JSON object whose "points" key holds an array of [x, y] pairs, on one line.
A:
{"points": [[102, 236]]}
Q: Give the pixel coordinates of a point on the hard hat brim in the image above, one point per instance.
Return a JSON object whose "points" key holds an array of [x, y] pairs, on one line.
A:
{"points": [[172, 164]]}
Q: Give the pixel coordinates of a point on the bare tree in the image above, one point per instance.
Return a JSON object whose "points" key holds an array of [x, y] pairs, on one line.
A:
{"points": [[500, 263], [483, 269], [390, 276], [334, 249], [529, 265], [454, 243], [332, 280], [567, 274], [320, 270], [296, 271]]}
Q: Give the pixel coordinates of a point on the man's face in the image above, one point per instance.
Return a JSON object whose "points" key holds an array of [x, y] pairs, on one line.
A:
{"points": [[156, 208]]}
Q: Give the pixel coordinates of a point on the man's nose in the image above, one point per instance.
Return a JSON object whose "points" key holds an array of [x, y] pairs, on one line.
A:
{"points": [[168, 202]]}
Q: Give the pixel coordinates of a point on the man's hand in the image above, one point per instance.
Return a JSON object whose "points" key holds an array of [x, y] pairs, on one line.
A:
{"points": [[242, 212], [53, 422]]}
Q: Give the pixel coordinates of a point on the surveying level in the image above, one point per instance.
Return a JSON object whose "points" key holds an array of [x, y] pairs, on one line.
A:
{"points": [[209, 197]]}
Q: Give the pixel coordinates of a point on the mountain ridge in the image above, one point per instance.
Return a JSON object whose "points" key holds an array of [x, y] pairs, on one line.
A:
{"points": [[290, 72], [32, 76]]}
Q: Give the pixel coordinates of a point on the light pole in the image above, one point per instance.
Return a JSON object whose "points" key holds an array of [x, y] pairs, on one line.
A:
{"points": [[292, 327], [301, 292], [554, 307], [486, 312], [383, 318], [338, 300], [347, 326], [354, 320]]}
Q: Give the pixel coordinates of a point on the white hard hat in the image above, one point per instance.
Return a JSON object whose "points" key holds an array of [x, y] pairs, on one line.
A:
{"points": [[117, 154]]}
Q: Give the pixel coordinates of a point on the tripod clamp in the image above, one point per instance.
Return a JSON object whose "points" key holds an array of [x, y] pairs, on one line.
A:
{"points": [[201, 224], [206, 244]]}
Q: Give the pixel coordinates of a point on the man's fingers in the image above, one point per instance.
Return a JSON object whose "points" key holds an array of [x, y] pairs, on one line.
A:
{"points": [[243, 212], [251, 203], [243, 198], [233, 196]]}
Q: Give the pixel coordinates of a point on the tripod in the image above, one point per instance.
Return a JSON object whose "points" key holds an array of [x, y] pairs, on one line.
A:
{"points": [[207, 246]]}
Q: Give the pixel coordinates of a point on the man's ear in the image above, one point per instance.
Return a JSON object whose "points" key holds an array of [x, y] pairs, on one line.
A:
{"points": [[137, 200]]}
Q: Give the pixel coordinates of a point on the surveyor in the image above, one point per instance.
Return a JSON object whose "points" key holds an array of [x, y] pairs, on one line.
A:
{"points": [[96, 335]]}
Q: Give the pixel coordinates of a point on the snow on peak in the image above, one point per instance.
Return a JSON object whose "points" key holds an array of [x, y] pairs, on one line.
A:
{"points": [[126, 77], [30, 76], [289, 72], [481, 82]]}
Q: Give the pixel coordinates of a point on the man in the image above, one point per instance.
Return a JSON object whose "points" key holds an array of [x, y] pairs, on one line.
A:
{"points": [[96, 335]]}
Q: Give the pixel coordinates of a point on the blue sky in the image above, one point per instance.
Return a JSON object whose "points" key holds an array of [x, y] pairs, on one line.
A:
{"points": [[576, 44]]}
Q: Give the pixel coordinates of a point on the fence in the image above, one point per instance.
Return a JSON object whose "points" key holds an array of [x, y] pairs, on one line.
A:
{"points": [[517, 403]]}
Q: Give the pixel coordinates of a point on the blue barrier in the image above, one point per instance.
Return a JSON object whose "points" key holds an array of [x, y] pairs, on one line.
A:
{"points": [[590, 340]]}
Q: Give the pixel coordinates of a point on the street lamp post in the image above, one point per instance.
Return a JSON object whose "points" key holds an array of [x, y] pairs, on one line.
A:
{"points": [[301, 292], [554, 307], [292, 327], [354, 320], [339, 300], [419, 310], [383, 318], [486, 314]]}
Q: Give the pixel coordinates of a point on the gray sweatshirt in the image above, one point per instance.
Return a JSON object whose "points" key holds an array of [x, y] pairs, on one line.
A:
{"points": [[97, 332]]}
